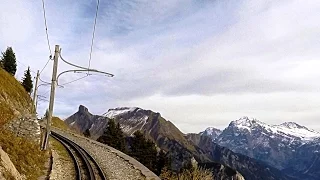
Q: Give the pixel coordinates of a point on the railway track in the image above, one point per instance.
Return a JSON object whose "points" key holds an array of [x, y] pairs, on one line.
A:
{"points": [[86, 167]]}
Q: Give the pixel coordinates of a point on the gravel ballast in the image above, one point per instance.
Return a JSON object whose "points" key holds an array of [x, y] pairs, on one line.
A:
{"points": [[115, 164]]}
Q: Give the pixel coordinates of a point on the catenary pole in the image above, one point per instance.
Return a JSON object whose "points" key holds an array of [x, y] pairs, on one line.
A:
{"points": [[34, 109], [54, 83], [52, 94]]}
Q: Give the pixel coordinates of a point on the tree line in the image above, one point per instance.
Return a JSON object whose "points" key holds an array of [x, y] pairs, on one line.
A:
{"points": [[138, 147], [9, 64]]}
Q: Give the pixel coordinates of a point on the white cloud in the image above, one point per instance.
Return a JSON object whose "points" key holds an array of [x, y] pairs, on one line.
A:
{"points": [[194, 113], [224, 59]]}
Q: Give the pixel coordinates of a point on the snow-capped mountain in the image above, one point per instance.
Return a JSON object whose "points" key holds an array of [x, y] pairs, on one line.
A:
{"points": [[211, 132], [290, 131], [169, 138], [281, 146]]}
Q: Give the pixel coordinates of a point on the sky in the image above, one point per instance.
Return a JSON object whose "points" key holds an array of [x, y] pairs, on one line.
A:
{"points": [[200, 63]]}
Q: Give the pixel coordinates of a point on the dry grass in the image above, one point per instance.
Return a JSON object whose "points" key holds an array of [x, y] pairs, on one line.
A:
{"points": [[5, 173], [12, 96], [24, 154], [194, 174], [57, 122], [6, 113], [61, 150]]}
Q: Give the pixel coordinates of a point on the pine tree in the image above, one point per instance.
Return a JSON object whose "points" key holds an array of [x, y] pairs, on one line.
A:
{"points": [[8, 61], [120, 139], [27, 81], [144, 150], [87, 133], [113, 136], [162, 162]]}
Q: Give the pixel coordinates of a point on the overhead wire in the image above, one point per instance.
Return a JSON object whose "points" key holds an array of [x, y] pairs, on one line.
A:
{"points": [[46, 26], [93, 33], [42, 99], [46, 92], [26, 67], [75, 80]]}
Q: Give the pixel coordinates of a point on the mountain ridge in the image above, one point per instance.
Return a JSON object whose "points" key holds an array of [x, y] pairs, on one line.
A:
{"points": [[281, 146], [168, 137]]}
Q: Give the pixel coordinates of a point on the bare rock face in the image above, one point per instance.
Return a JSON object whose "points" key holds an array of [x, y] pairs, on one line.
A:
{"points": [[83, 109], [7, 167]]}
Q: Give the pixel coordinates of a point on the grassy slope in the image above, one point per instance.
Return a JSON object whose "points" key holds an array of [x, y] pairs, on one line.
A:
{"points": [[24, 154], [12, 97], [57, 122]]}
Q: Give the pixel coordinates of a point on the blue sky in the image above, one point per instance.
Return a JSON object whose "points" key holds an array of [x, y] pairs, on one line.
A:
{"points": [[198, 63]]}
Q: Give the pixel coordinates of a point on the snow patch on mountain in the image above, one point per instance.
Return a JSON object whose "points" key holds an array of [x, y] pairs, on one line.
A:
{"points": [[136, 121], [72, 123], [302, 132], [112, 113], [211, 131]]}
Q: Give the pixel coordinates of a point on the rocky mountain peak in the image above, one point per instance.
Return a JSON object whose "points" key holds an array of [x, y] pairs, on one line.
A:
{"points": [[83, 120], [83, 109], [246, 121], [211, 132], [247, 124]]}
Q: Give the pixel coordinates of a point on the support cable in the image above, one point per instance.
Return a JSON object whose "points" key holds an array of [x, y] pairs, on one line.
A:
{"points": [[45, 64], [75, 80], [46, 26], [93, 33]]}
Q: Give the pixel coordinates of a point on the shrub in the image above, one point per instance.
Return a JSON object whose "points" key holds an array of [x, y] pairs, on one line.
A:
{"points": [[194, 174]]}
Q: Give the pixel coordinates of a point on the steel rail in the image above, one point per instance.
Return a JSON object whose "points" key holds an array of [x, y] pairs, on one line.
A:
{"points": [[73, 157], [84, 156]]}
